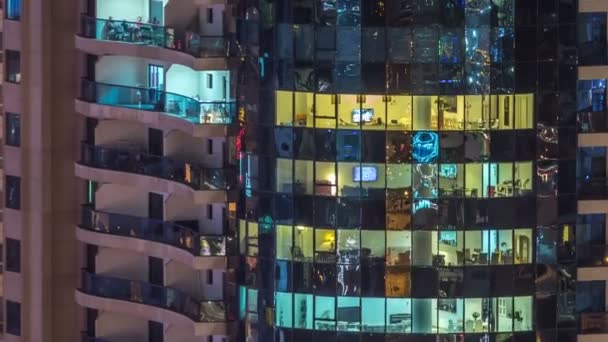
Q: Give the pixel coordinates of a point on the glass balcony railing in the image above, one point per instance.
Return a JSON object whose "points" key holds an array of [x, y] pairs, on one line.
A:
{"points": [[592, 188], [593, 323], [85, 338], [147, 99], [592, 255], [155, 35], [133, 160], [592, 122], [154, 295], [169, 233]]}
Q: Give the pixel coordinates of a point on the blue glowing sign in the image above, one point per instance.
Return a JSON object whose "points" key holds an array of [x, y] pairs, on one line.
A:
{"points": [[425, 147]]}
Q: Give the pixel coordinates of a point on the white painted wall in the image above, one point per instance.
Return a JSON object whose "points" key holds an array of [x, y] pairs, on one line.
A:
{"points": [[181, 208], [125, 70], [217, 91], [194, 282], [127, 10], [121, 199], [121, 264], [117, 327], [121, 133], [122, 70], [181, 146], [187, 82], [216, 28]]}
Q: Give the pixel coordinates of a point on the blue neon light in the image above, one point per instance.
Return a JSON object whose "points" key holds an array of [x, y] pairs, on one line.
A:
{"points": [[425, 147]]}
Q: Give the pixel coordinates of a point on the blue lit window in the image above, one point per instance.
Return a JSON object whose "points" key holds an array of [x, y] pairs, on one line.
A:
{"points": [[425, 147], [13, 9]]}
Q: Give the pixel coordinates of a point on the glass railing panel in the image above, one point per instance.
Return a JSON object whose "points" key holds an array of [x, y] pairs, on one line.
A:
{"points": [[85, 338], [155, 35], [592, 255], [594, 323], [159, 101], [125, 31], [593, 188], [209, 46], [153, 295], [218, 112], [135, 161], [156, 230], [592, 122]]}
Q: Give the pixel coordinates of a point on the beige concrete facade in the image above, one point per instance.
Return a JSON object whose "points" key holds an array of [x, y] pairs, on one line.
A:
{"points": [[44, 99]]}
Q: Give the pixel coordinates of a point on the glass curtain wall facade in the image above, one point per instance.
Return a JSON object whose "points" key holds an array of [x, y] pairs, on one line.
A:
{"points": [[399, 165]]}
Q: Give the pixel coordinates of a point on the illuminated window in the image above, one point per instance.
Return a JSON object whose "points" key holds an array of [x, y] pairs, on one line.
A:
{"points": [[283, 309]]}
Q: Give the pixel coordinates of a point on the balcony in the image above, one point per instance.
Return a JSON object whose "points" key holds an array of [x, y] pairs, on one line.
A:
{"points": [[127, 164], [202, 251], [593, 323], [119, 37], [593, 189], [592, 255], [85, 338], [592, 122], [153, 302], [159, 109]]}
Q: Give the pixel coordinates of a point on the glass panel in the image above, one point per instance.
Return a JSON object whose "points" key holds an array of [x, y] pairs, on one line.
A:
{"points": [[284, 307], [325, 313], [303, 311], [373, 314], [284, 239], [303, 244], [398, 315]]}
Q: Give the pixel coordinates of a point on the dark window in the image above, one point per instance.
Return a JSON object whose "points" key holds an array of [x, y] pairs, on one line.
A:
{"points": [[210, 146], [209, 211], [13, 192], [13, 255], [210, 277], [13, 318], [209, 81], [156, 331], [13, 66], [210, 15], [13, 129]]}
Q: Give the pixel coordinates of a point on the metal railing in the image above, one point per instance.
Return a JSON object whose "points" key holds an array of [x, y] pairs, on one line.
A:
{"points": [[169, 233], [149, 34], [153, 100], [593, 323], [592, 188], [589, 255], [195, 176], [154, 295]]}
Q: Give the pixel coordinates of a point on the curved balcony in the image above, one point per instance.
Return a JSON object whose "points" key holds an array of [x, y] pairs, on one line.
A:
{"points": [[86, 338], [153, 302], [168, 240], [155, 108], [120, 37], [131, 166]]}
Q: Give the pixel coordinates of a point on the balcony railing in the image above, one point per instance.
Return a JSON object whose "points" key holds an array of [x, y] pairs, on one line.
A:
{"points": [[153, 100], [593, 323], [154, 295], [134, 161], [86, 338], [592, 255], [592, 189], [592, 122], [155, 35], [169, 233]]}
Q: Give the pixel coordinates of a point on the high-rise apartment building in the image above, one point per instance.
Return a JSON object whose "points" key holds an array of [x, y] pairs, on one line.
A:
{"points": [[409, 170], [591, 229], [119, 192], [386, 170]]}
